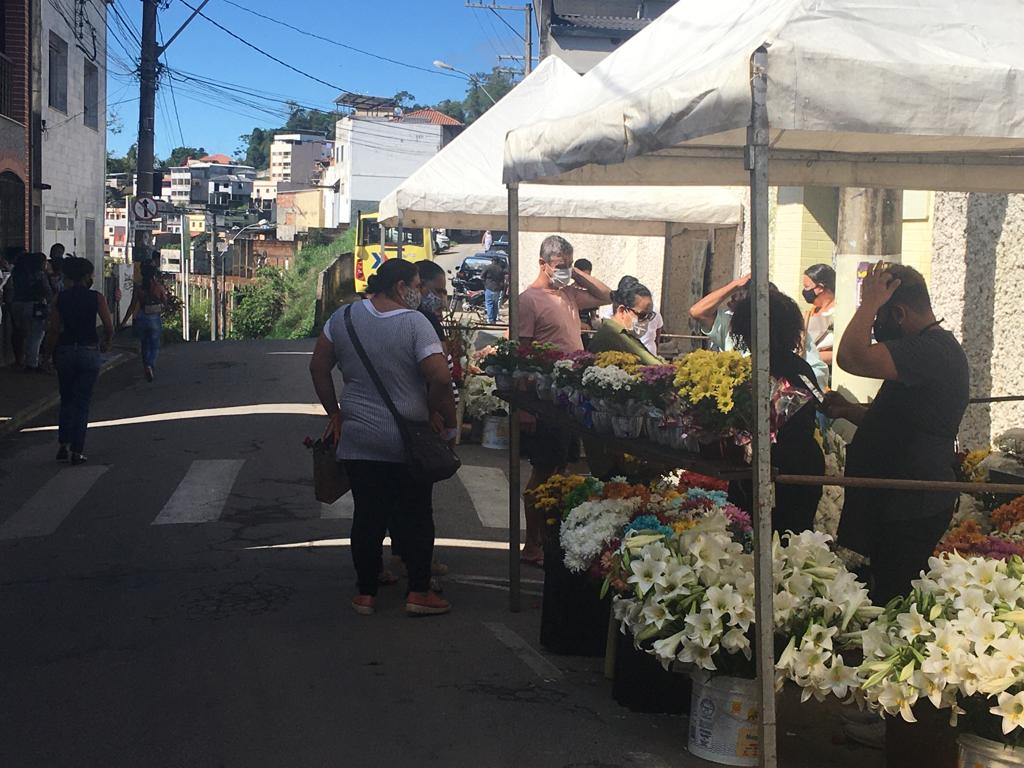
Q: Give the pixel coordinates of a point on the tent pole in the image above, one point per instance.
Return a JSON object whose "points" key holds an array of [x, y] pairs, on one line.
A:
{"points": [[764, 492], [514, 483]]}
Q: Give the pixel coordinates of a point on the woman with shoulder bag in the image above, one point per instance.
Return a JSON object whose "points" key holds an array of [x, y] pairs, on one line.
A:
{"points": [[146, 308], [391, 360]]}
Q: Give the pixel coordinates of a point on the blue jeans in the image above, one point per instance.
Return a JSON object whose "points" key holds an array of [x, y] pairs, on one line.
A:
{"points": [[491, 301], [31, 330], [148, 330], [77, 370]]}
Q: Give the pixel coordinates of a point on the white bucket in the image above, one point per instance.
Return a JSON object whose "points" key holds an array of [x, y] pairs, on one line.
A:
{"points": [[724, 715], [976, 752], [495, 432]]}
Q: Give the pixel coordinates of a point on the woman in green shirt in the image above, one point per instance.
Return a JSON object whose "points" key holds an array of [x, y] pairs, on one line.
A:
{"points": [[632, 310]]}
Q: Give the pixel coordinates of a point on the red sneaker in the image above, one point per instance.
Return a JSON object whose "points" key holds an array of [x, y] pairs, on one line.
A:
{"points": [[363, 604], [426, 604]]}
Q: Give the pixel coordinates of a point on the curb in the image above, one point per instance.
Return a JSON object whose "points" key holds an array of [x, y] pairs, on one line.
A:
{"points": [[26, 415]]}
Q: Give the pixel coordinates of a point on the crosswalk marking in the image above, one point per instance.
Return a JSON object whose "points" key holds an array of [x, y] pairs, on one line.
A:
{"points": [[342, 509], [201, 495], [487, 489], [47, 509]]}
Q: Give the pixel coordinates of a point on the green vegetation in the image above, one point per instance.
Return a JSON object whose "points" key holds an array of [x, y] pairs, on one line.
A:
{"points": [[260, 304], [198, 318]]}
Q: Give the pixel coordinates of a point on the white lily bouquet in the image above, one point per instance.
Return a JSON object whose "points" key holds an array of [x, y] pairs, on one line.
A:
{"points": [[693, 603], [956, 641]]}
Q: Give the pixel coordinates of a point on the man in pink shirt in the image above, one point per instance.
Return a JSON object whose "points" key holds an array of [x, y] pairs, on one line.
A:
{"points": [[549, 313]]}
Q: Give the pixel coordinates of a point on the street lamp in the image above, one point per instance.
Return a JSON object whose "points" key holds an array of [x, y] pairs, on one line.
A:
{"points": [[472, 78]]}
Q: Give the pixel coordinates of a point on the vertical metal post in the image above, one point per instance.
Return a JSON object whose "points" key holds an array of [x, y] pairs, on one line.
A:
{"points": [[514, 483], [186, 252], [528, 39], [398, 224], [214, 311], [764, 492]]}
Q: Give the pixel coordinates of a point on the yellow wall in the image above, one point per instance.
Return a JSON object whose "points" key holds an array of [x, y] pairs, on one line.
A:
{"points": [[309, 210], [918, 216], [196, 222]]}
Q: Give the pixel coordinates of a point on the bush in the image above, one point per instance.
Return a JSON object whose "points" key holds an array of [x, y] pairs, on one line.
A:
{"points": [[260, 304], [199, 320], [299, 315]]}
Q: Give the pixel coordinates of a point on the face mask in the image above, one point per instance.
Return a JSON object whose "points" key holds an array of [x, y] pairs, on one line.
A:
{"points": [[809, 295], [886, 328], [640, 327], [411, 297], [432, 303], [561, 277]]}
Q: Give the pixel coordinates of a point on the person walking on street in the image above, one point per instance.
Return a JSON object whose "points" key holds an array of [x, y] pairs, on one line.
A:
{"points": [[549, 313], [30, 308], [145, 309], [72, 330], [494, 284], [404, 349], [488, 240]]}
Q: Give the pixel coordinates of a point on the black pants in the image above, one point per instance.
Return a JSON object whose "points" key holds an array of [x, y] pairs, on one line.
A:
{"points": [[898, 557], [386, 497]]}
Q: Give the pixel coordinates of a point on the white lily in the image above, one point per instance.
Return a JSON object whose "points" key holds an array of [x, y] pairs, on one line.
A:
{"points": [[1010, 708]]}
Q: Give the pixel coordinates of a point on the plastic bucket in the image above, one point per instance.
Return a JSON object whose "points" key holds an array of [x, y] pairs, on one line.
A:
{"points": [[976, 752], [495, 432], [724, 715]]}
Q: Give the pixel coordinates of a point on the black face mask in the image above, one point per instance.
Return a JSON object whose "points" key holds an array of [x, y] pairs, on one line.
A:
{"points": [[809, 295], [886, 328]]}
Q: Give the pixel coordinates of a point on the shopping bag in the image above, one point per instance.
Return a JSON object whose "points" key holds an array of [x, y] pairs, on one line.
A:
{"points": [[330, 482]]}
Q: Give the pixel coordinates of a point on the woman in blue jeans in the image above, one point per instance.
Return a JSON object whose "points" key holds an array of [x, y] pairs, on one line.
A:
{"points": [[72, 329], [145, 310]]}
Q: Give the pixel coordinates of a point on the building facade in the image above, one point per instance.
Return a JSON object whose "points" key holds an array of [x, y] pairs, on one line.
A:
{"points": [[190, 183], [299, 157], [70, 201], [15, 121]]}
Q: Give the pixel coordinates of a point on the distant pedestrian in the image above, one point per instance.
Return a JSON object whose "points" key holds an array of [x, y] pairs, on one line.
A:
{"points": [[30, 308], [404, 349], [494, 285], [54, 268], [488, 240], [145, 309], [72, 330]]}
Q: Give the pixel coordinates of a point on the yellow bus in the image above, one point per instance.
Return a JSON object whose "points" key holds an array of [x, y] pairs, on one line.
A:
{"points": [[373, 247]]}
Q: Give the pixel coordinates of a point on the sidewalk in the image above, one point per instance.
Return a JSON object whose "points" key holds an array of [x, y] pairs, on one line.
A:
{"points": [[24, 396]]}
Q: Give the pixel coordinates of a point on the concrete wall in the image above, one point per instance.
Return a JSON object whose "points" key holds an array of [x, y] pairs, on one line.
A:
{"points": [[335, 286], [803, 233], [976, 240], [73, 154]]}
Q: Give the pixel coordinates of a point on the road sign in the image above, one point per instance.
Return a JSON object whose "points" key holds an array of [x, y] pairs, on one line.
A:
{"points": [[144, 207], [142, 224]]}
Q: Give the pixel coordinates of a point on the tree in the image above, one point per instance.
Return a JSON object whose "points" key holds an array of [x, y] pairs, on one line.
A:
{"points": [[126, 164], [179, 155], [260, 304], [452, 108], [255, 146], [255, 149], [497, 83], [402, 98]]}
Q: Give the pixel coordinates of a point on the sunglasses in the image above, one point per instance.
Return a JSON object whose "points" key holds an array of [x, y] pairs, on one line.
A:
{"points": [[643, 316]]}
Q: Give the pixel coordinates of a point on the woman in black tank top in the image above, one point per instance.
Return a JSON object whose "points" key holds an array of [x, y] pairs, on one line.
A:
{"points": [[72, 330]]}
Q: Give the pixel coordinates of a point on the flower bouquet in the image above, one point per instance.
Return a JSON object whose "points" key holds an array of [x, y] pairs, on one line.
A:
{"points": [[999, 534], [501, 361], [613, 392], [714, 392], [480, 400], [954, 641]]}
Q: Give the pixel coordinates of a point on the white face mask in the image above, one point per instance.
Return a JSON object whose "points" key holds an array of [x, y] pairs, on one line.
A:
{"points": [[640, 327], [561, 277]]}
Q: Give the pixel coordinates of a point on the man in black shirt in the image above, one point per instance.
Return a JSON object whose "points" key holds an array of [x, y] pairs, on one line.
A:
{"points": [[494, 284], [908, 430]]}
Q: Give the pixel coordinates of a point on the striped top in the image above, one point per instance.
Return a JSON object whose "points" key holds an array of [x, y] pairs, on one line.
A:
{"points": [[396, 342]]}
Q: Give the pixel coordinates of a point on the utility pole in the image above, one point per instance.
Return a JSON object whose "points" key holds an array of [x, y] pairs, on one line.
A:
{"points": [[147, 113], [213, 278], [527, 38]]}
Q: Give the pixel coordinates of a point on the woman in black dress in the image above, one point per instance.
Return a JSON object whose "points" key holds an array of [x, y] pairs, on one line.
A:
{"points": [[795, 451]]}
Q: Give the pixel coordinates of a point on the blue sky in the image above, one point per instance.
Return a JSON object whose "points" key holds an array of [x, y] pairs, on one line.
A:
{"points": [[413, 31]]}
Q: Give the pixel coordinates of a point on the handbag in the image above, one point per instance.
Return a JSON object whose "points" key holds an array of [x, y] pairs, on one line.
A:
{"points": [[430, 458], [330, 481]]}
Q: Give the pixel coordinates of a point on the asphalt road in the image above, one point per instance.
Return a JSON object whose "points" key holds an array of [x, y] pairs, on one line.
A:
{"points": [[161, 606]]}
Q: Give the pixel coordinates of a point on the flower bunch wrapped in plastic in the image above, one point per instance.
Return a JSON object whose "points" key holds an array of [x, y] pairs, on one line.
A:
{"points": [[609, 383], [560, 493], [999, 534], [693, 602], [705, 374], [568, 372], [539, 357], [955, 640], [502, 357], [479, 398], [624, 360]]}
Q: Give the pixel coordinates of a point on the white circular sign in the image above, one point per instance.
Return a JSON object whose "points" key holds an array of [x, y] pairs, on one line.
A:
{"points": [[144, 207]]}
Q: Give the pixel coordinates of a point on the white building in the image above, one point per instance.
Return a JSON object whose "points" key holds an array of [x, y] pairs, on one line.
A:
{"points": [[299, 157], [190, 184], [373, 154], [72, 106], [115, 233]]}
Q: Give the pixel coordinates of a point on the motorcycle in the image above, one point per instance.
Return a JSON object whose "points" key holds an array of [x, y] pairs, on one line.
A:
{"points": [[468, 296]]}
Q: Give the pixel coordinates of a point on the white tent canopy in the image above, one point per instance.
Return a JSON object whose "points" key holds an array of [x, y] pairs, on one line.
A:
{"points": [[461, 185], [918, 94]]}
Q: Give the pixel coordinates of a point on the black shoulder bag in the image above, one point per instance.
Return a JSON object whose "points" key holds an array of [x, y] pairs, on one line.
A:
{"points": [[429, 457]]}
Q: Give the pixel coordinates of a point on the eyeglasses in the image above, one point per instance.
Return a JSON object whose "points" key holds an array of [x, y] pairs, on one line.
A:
{"points": [[643, 316]]}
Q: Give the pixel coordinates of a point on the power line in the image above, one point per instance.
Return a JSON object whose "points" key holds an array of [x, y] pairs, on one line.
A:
{"points": [[504, 21], [260, 51], [170, 85], [347, 47]]}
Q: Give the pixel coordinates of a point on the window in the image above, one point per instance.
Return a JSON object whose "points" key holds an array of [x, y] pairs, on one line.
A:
{"points": [[92, 96], [409, 236], [58, 73], [370, 233]]}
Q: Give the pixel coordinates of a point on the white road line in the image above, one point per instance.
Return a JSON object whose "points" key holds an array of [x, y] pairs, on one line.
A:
{"points": [[346, 542], [524, 651], [488, 490], [485, 585], [47, 509], [259, 409], [342, 509], [202, 493]]}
